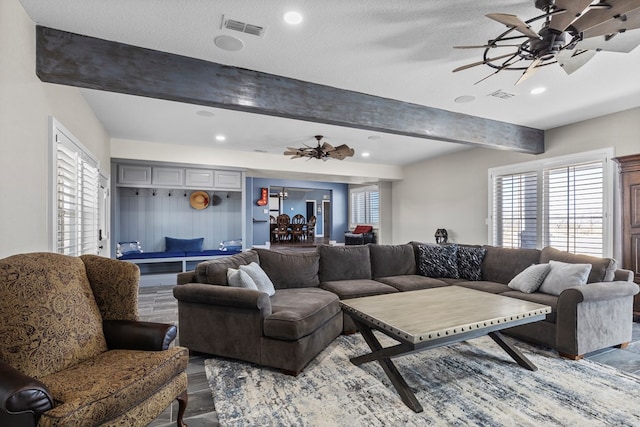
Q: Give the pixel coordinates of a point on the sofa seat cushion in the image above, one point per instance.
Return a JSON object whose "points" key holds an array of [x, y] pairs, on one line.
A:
{"points": [[412, 282], [485, 286], [297, 313], [346, 289], [108, 385], [537, 297]]}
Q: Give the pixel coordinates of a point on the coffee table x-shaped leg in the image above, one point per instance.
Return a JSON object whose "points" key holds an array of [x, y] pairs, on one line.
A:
{"points": [[383, 356]]}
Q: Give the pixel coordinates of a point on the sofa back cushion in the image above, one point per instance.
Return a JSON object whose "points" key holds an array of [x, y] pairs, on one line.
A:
{"points": [[392, 260], [49, 316], [214, 271], [602, 269], [503, 264], [290, 269], [344, 263]]}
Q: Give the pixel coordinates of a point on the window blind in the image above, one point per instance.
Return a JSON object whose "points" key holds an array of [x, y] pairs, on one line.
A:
{"points": [[515, 202], [574, 208], [365, 207], [77, 181]]}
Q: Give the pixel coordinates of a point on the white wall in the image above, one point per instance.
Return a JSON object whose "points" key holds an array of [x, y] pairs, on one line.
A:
{"points": [[25, 106], [451, 191]]}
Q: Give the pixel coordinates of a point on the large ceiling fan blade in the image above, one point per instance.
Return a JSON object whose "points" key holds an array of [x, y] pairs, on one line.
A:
{"points": [[531, 70], [572, 10], [622, 42], [601, 15], [514, 22], [571, 60], [327, 147], [464, 67], [626, 22], [341, 152], [506, 64]]}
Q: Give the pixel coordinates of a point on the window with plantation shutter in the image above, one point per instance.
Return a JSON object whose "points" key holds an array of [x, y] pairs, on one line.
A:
{"points": [[515, 205], [76, 196], [574, 208], [561, 202], [365, 206]]}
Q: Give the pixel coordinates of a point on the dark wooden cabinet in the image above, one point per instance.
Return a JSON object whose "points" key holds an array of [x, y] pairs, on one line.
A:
{"points": [[630, 186]]}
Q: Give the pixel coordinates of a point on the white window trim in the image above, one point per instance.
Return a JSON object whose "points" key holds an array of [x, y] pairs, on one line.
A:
{"points": [[605, 154], [56, 127]]}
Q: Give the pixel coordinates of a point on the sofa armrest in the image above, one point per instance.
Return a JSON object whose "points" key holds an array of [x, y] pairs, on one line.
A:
{"points": [[600, 291], [186, 277], [202, 293], [134, 335], [22, 398]]}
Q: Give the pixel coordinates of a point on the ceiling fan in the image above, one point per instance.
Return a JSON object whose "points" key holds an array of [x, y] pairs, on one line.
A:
{"points": [[572, 32], [324, 151]]}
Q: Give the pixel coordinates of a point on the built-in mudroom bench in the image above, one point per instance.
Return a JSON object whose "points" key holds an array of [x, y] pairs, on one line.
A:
{"points": [[177, 215]]}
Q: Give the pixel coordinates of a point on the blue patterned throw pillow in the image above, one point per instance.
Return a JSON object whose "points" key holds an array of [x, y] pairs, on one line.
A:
{"points": [[470, 262], [438, 261]]}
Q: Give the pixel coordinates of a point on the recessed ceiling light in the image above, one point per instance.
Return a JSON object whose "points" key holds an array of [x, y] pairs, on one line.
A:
{"points": [[464, 99], [229, 43], [292, 17], [221, 138], [205, 113], [538, 90], [365, 154]]}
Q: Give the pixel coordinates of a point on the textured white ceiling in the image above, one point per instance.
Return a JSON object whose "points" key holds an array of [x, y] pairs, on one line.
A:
{"points": [[395, 49]]}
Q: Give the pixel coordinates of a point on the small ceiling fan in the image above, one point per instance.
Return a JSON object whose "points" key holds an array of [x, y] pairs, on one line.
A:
{"points": [[572, 32], [324, 151]]}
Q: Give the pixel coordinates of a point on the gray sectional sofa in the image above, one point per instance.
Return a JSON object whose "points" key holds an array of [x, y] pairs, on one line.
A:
{"points": [[287, 330]]}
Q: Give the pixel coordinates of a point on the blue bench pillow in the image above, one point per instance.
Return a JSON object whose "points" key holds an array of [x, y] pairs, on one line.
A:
{"points": [[183, 245]]}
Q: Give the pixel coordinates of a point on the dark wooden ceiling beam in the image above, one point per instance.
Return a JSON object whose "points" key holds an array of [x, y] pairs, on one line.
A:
{"points": [[82, 61]]}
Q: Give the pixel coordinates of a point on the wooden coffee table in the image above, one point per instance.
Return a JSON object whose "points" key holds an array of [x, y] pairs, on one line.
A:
{"points": [[430, 318]]}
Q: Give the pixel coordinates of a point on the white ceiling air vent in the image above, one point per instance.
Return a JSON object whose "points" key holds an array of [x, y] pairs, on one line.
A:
{"points": [[243, 27], [501, 94]]}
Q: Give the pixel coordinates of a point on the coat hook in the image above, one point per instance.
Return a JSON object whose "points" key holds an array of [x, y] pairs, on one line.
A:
{"points": [[169, 193], [185, 194], [137, 193], [154, 192]]}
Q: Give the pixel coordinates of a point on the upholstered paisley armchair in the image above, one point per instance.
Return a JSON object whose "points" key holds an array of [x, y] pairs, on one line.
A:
{"points": [[72, 351]]}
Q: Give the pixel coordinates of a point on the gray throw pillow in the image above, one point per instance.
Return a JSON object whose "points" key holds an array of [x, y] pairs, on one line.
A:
{"points": [[240, 279], [563, 275], [438, 261], [260, 278], [530, 279]]}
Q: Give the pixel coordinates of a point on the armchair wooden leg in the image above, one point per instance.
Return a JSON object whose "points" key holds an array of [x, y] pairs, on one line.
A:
{"points": [[623, 345], [183, 398], [571, 356]]}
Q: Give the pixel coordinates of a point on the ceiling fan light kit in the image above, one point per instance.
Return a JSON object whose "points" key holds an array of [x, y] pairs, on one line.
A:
{"points": [[572, 32], [322, 152]]}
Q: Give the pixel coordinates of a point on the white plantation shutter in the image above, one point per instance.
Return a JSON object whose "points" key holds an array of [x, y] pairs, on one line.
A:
{"points": [[574, 208], [365, 206], [76, 197], [561, 202], [515, 204]]}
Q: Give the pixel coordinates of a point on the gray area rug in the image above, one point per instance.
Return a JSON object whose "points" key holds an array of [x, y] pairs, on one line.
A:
{"points": [[469, 383]]}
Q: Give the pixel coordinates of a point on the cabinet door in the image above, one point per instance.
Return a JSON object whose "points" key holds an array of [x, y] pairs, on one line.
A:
{"points": [[167, 176], [199, 178], [228, 180], [134, 175]]}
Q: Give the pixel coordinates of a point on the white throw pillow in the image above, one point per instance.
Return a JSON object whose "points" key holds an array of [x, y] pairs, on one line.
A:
{"points": [[530, 279], [260, 278], [564, 275], [240, 279]]}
